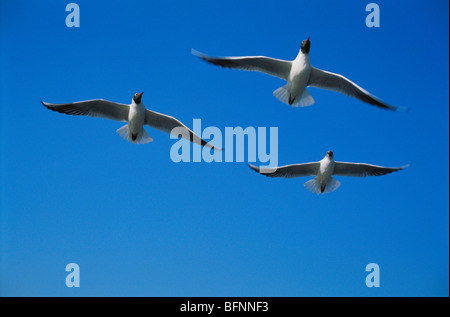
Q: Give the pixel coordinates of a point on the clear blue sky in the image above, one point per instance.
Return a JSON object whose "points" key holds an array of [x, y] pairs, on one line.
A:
{"points": [[139, 224]]}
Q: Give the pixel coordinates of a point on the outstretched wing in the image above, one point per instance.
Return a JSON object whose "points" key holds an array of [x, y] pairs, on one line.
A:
{"points": [[335, 82], [98, 108], [288, 171], [363, 170], [166, 124], [271, 66]]}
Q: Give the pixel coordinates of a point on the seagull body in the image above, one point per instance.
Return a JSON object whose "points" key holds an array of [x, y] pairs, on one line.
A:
{"points": [[135, 114], [324, 170], [136, 119], [297, 81], [299, 74]]}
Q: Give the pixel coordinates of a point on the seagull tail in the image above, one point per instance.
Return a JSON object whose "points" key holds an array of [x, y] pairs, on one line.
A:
{"points": [[313, 186], [140, 139], [316, 187], [145, 138], [332, 185], [305, 101], [283, 95], [123, 132]]}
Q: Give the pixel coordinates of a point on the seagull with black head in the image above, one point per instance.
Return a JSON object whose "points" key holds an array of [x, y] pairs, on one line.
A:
{"points": [[299, 74], [323, 170], [136, 116]]}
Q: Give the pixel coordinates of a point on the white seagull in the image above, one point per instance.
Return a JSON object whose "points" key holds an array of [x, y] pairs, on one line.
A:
{"points": [[135, 114], [323, 172], [299, 74]]}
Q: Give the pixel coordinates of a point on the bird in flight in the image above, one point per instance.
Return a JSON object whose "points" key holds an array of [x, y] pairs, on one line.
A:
{"points": [[323, 170], [299, 75], [136, 116]]}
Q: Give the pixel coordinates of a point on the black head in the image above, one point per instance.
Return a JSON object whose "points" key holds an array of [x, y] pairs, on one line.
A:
{"points": [[306, 45], [137, 97], [330, 154]]}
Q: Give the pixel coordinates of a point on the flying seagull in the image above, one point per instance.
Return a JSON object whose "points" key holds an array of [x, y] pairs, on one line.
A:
{"points": [[299, 74], [323, 172], [135, 114]]}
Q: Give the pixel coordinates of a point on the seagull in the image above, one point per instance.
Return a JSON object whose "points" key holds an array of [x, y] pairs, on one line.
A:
{"points": [[324, 170], [299, 74], [135, 114]]}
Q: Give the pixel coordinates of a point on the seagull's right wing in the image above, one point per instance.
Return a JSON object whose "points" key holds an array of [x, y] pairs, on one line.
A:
{"points": [[335, 82], [166, 124], [271, 66], [288, 171], [363, 170], [98, 108]]}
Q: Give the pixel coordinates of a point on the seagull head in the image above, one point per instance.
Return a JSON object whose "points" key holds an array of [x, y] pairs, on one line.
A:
{"points": [[330, 154], [137, 97], [306, 45]]}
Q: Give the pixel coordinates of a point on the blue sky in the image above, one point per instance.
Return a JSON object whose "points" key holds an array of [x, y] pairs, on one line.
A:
{"points": [[139, 224]]}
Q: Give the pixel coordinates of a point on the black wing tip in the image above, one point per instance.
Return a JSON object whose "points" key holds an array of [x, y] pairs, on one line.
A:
{"points": [[62, 108], [253, 167], [267, 173], [209, 145], [392, 170], [374, 101], [215, 148], [396, 169], [212, 60], [385, 106], [394, 108], [199, 54], [48, 106]]}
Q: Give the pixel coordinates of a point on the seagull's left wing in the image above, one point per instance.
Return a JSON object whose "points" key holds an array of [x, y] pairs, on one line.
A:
{"points": [[335, 82], [98, 108], [166, 124], [363, 170], [288, 171], [271, 66]]}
